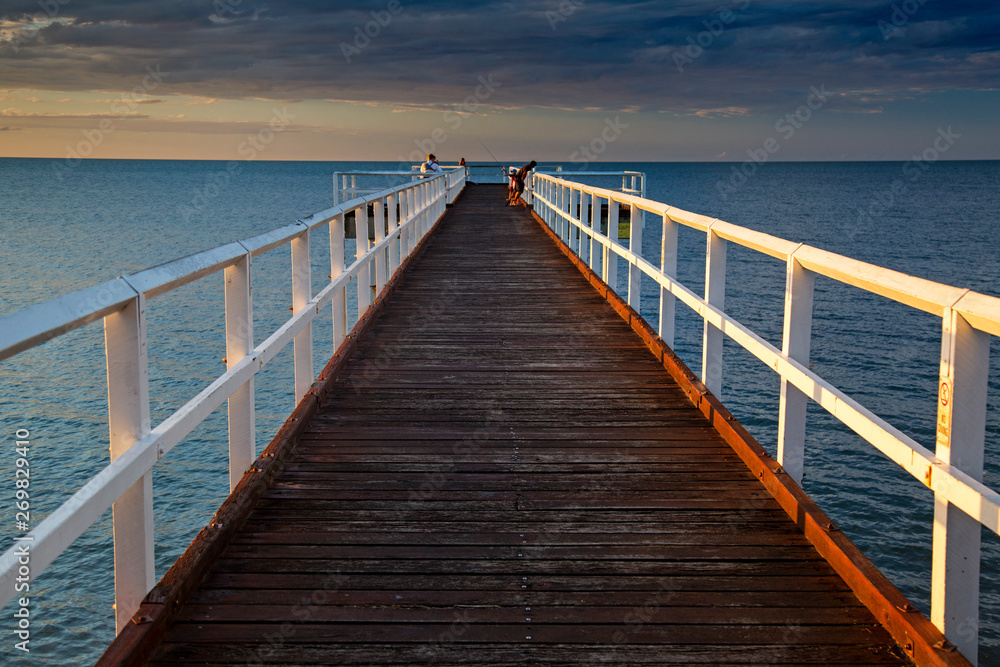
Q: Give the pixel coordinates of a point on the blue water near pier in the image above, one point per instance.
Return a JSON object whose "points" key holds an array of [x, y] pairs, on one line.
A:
{"points": [[65, 229]]}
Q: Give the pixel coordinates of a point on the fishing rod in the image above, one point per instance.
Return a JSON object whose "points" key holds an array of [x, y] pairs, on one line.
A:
{"points": [[506, 175]]}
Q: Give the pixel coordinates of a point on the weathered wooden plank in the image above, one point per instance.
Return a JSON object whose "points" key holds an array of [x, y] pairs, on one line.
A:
{"points": [[445, 653], [344, 581], [494, 598]]}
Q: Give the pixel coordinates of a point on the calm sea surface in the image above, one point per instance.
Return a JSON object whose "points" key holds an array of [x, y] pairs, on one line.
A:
{"points": [[65, 229]]}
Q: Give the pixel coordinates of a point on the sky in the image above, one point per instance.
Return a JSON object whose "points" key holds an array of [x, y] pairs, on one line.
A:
{"points": [[560, 80]]}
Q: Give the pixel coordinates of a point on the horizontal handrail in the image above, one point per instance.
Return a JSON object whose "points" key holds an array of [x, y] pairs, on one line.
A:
{"points": [[925, 295], [953, 472], [633, 182], [36, 324], [421, 203], [341, 187]]}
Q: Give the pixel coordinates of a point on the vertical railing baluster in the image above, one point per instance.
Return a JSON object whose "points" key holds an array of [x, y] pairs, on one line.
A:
{"points": [[715, 295], [557, 219], [392, 222], [635, 245], [595, 228], [574, 202], [585, 198], [239, 343], [336, 269], [301, 295], [380, 256], [797, 338], [610, 256], [574, 198], [404, 216], [128, 420], [547, 193], [668, 264], [556, 206], [364, 271], [961, 434], [411, 207], [422, 207]]}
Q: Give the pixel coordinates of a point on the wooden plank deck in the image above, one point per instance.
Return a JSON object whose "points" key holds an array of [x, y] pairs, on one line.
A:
{"points": [[502, 473]]}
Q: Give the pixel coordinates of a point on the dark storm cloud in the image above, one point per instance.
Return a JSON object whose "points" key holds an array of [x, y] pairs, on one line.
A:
{"points": [[680, 57]]}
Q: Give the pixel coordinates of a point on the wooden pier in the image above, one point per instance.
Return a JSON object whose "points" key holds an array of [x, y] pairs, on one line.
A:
{"points": [[503, 466]]}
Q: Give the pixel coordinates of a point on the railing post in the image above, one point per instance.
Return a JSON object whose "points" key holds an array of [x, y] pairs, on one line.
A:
{"points": [[336, 188], [961, 433], [715, 295], [547, 193], [422, 208], [364, 272], [797, 340], [668, 265], [554, 213], [392, 222], [595, 229], [635, 245], [239, 343], [301, 295], [546, 213], [336, 268], [379, 214], [128, 419], [585, 198], [530, 188], [557, 218], [574, 202], [407, 216], [610, 257]]}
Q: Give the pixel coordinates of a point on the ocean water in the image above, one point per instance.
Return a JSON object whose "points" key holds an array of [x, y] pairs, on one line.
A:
{"points": [[65, 229]]}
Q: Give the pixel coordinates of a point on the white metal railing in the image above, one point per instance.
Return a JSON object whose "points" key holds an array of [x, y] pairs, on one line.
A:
{"points": [[633, 182], [126, 483], [345, 183], [954, 472]]}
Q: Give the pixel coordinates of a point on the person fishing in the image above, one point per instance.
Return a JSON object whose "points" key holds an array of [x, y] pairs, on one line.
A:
{"points": [[517, 182], [431, 165]]}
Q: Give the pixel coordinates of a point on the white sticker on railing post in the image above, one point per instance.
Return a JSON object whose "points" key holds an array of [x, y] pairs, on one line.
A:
{"points": [[797, 341], [239, 343], [961, 432], [128, 418], [715, 295]]}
